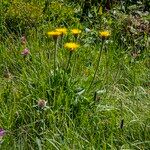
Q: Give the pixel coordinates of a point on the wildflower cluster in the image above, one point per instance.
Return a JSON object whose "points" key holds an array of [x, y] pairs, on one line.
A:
{"points": [[71, 46]]}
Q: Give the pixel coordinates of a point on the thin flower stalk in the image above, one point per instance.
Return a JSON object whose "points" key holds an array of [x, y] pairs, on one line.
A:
{"points": [[55, 57], [69, 60], [97, 66], [63, 32], [55, 35], [71, 47], [107, 66]]}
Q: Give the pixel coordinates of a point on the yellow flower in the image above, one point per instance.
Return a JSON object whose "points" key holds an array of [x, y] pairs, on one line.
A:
{"points": [[62, 30], [71, 46], [54, 34], [75, 32], [104, 34]]}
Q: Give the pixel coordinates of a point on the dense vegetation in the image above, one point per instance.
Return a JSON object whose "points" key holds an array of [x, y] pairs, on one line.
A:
{"points": [[74, 75]]}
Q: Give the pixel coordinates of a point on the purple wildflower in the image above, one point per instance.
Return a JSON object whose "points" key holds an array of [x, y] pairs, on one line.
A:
{"points": [[25, 52], [2, 132]]}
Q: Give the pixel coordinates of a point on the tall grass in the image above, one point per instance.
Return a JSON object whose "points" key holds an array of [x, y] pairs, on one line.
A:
{"points": [[112, 114]]}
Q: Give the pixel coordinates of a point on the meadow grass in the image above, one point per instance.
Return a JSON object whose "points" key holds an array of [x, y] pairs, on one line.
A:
{"points": [[87, 104]]}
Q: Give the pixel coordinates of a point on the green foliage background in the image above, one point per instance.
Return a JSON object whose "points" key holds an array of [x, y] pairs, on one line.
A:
{"points": [[112, 114]]}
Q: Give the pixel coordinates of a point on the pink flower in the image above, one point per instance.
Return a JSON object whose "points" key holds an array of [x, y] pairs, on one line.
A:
{"points": [[25, 52], [2, 132]]}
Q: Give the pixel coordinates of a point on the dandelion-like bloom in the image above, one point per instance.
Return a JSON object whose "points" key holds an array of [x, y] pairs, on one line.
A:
{"points": [[104, 34], [25, 52], [54, 34], [62, 30], [75, 32], [42, 103], [71, 46]]}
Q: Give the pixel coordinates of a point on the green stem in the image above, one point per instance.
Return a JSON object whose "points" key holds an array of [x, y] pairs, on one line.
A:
{"points": [[107, 58], [67, 67], [70, 54], [134, 76], [61, 41], [55, 58], [97, 66]]}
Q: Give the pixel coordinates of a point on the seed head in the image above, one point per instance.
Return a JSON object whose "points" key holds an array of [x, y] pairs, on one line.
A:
{"points": [[42, 103]]}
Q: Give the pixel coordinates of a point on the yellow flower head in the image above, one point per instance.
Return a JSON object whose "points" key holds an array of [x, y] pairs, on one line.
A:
{"points": [[54, 34], [104, 34], [71, 46], [75, 32], [62, 30]]}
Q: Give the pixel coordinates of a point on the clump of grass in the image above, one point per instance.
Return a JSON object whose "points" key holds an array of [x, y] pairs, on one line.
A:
{"points": [[66, 93]]}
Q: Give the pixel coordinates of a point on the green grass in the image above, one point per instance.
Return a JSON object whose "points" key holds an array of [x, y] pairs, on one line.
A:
{"points": [[112, 114]]}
